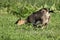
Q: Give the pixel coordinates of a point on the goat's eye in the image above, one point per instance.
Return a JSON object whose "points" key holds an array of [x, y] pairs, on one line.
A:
{"points": [[43, 11]]}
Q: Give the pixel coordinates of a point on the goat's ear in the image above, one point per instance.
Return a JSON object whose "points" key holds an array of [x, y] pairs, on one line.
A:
{"points": [[51, 11]]}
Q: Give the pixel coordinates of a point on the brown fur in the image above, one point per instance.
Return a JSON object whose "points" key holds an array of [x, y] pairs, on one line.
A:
{"points": [[43, 15]]}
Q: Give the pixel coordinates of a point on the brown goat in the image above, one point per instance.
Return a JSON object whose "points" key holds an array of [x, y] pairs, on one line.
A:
{"points": [[43, 16]]}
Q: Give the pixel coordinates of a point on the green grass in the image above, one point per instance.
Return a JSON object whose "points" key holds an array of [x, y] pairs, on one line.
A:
{"points": [[22, 9], [11, 31]]}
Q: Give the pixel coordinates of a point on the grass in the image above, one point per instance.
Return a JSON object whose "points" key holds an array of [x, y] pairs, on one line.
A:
{"points": [[11, 31], [9, 15]]}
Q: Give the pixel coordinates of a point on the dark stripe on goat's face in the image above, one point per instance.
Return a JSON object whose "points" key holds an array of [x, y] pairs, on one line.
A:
{"points": [[45, 9]]}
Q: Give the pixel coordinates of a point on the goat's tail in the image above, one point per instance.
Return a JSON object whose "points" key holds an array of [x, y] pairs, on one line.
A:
{"points": [[21, 22]]}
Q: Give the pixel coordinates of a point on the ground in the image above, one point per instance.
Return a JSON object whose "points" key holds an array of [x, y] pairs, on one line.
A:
{"points": [[10, 31], [12, 10]]}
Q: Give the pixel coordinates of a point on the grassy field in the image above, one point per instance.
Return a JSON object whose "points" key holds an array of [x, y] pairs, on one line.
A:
{"points": [[12, 10]]}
